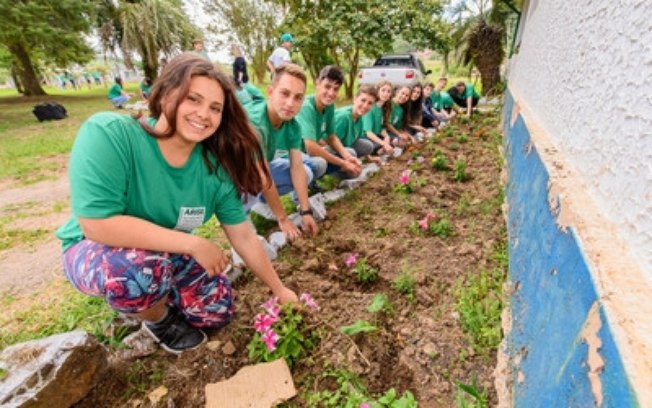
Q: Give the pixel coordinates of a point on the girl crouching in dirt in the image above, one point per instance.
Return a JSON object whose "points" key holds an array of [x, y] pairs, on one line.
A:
{"points": [[140, 187]]}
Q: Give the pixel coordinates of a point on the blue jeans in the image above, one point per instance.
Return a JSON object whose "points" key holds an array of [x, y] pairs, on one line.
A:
{"points": [[280, 169], [119, 100]]}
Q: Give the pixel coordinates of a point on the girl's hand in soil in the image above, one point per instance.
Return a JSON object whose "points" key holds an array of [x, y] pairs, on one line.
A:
{"points": [[286, 295], [309, 225], [289, 229], [209, 256]]}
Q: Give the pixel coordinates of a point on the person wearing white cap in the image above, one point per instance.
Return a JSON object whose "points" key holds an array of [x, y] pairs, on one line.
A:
{"points": [[281, 54]]}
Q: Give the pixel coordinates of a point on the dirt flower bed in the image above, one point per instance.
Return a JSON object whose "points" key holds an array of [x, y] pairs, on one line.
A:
{"points": [[406, 272]]}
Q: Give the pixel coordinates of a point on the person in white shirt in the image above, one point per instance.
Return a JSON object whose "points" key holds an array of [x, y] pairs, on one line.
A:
{"points": [[281, 54]]}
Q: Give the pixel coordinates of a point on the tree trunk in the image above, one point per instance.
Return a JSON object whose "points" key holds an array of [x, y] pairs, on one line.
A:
{"points": [[490, 78], [14, 77], [486, 47], [259, 66], [26, 72], [151, 71]]}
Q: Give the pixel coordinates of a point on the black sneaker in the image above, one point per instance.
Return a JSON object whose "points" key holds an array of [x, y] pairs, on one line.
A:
{"points": [[174, 334]]}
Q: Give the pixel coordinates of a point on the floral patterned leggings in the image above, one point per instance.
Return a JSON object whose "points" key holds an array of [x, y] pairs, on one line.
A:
{"points": [[132, 280]]}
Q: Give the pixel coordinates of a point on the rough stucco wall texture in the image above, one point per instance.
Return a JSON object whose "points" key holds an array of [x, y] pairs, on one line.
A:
{"points": [[585, 69]]}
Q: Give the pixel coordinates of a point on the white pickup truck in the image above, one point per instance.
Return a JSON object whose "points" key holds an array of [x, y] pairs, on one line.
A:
{"points": [[401, 69]]}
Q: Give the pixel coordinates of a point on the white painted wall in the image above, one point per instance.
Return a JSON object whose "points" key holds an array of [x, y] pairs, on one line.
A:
{"points": [[585, 69]]}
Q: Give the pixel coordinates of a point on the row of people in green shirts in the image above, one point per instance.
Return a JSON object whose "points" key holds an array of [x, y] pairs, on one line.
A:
{"points": [[140, 186]]}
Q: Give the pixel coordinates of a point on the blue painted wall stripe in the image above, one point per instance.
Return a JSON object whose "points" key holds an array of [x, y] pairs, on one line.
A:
{"points": [[555, 292]]}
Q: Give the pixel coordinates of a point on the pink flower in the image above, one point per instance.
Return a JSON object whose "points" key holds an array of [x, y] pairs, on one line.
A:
{"points": [[425, 222], [409, 162], [351, 260], [272, 307], [270, 338], [421, 159], [309, 301], [365, 405], [405, 177], [263, 322]]}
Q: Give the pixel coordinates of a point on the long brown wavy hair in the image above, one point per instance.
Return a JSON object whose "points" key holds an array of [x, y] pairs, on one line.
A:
{"points": [[234, 145], [387, 106]]}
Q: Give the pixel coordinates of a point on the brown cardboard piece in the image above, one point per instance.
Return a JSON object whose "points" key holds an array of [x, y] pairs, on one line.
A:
{"points": [[257, 386]]}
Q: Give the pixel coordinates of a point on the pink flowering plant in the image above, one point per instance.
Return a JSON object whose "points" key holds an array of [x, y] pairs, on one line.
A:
{"points": [[416, 163], [364, 272], [433, 225], [281, 331], [405, 183]]}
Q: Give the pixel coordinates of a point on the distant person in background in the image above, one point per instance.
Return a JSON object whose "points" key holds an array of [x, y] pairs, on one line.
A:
{"points": [[61, 77], [145, 87], [247, 93], [198, 47], [239, 66], [465, 96], [70, 78], [97, 77], [281, 54], [87, 78], [117, 95]]}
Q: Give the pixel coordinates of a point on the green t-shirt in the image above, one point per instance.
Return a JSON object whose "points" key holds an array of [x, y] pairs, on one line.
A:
{"points": [[396, 117], [116, 168], [115, 91], [470, 92], [316, 126], [347, 130], [276, 143], [373, 120], [146, 89], [248, 93], [440, 100]]}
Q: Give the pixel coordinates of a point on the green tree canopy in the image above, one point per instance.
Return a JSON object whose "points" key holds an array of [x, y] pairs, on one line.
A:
{"points": [[45, 31], [251, 23], [148, 28]]}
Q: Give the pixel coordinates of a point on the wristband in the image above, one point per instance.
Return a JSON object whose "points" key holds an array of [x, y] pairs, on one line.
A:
{"points": [[306, 212]]}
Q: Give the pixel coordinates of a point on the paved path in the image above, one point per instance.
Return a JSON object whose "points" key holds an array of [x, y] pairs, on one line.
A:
{"points": [[25, 268]]}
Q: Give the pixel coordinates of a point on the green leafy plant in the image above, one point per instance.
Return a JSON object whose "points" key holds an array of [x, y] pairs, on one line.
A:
{"points": [[460, 174], [462, 139], [380, 304], [439, 161], [364, 272], [432, 225], [282, 332], [352, 393], [479, 304], [360, 326], [454, 147], [392, 400], [140, 378], [404, 284], [469, 396]]}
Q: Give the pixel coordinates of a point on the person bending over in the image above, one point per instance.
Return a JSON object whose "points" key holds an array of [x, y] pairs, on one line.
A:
{"points": [[280, 137], [317, 119]]}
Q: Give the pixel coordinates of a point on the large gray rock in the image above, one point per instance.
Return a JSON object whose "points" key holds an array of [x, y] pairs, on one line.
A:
{"points": [[57, 371]]}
